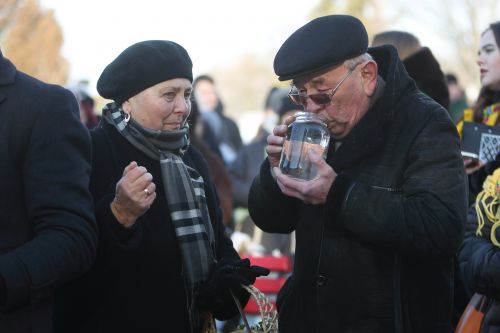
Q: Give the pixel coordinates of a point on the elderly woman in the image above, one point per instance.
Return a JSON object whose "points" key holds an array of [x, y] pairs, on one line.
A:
{"points": [[164, 263]]}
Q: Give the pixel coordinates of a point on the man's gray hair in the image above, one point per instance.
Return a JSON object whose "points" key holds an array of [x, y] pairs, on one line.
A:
{"points": [[353, 62]]}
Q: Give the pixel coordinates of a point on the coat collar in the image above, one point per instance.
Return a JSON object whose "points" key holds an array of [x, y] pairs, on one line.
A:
{"points": [[7, 74], [7, 71], [369, 135]]}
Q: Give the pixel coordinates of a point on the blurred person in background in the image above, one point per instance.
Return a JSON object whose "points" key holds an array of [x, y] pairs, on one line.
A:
{"points": [[419, 62], [486, 109], [458, 99], [217, 130], [48, 233], [216, 167], [86, 104], [479, 255], [163, 263], [246, 166]]}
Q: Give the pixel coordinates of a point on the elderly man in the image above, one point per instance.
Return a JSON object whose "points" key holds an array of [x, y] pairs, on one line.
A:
{"points": [[378, 227]]}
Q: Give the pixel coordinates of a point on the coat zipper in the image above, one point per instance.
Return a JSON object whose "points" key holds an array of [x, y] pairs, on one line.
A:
{"points": [[388, 189], [398, 311], [398, 304]]}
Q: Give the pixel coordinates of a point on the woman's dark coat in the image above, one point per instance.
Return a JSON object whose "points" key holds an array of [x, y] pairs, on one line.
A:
{"points": [[479, 261], [136, 283], [378, 255]]}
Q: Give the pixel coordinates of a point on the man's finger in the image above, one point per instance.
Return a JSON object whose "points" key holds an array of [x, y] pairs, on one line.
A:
{"points": [[280, 130], [318, 161], [287, 181], [275, 140], [290, 119]]}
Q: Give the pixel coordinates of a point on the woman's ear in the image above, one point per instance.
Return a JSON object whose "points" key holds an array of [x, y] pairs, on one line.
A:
{"points": [[126, 107], [369, 76]]}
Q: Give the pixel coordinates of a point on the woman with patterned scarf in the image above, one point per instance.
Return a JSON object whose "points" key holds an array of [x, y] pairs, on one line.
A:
{"points": [[487, 107], [164, 263]]}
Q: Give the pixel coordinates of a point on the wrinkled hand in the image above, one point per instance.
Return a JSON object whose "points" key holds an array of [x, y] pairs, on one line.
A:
{"points": [[135, 193], [227, 276], [275, 145], [275, 141], [314, 191]]}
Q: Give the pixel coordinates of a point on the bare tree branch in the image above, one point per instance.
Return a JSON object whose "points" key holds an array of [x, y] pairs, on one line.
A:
{"points": [[33, 41]]}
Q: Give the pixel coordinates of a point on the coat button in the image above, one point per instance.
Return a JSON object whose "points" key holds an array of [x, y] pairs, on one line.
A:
{"points": [[321, 280]]}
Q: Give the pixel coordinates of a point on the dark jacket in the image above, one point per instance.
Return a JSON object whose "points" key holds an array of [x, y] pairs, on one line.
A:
{"points": [[378, 255], [224, 139], [479, 262], [47, 229], [136, 283], [244, 169], [423, 67]]}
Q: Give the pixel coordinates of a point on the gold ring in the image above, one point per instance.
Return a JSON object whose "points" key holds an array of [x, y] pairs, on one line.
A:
{"points": [[147, 192]]}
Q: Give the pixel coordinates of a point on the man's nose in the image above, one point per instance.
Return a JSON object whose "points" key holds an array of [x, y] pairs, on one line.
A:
{"points": [[311, 106]]}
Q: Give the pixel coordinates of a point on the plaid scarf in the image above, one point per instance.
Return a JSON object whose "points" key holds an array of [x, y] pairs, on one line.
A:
{"points": [[185, 196]]}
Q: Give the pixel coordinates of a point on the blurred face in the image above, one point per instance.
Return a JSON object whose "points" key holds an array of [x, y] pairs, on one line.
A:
{"points": [[164, 106], [488, 59], [206, 95], [455, 92], [350, 101]]}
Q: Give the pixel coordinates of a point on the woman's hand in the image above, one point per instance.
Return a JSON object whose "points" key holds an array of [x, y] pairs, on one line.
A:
{"points": [[471, 165], [135, 193]]}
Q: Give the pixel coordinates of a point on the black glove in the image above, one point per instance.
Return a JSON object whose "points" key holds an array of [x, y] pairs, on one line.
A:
{"points": [[227, 276], [238, 273]]}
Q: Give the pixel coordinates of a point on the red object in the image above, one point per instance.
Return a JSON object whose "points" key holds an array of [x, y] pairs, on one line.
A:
{"points": [[269, 285]]}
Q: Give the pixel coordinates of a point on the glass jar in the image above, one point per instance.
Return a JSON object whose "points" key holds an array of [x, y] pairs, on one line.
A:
{"points": [[307, 132]]}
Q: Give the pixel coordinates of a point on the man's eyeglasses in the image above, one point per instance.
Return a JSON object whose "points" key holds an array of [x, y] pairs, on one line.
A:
{"points": [[322, 98]]}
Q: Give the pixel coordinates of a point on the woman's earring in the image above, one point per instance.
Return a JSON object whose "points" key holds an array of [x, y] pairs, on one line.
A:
{"points": [[127, 117]]}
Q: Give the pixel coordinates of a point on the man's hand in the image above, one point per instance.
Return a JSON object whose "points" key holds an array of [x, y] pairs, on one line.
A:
{"points": [[275, 145], [314, 191], [275, 141]]}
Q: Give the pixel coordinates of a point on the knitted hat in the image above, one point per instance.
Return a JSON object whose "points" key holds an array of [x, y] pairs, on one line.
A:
{"points": [[144, 65], [320, 44]]}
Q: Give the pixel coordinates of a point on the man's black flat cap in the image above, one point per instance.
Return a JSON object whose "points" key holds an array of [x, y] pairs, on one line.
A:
{"points": [[143, 65], [322, 43]]}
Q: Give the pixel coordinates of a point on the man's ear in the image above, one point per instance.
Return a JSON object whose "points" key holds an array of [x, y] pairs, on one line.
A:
{"points": [[369, 76]]}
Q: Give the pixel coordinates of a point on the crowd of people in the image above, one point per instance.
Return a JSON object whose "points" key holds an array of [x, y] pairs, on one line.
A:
{"points": [[125, 222]]}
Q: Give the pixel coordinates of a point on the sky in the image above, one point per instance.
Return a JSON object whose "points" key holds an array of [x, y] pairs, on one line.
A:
{"points": [[213, 32], [216, 33]]}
